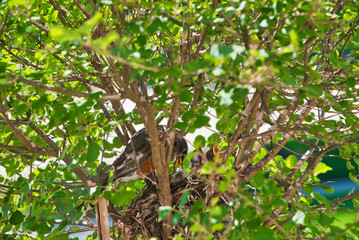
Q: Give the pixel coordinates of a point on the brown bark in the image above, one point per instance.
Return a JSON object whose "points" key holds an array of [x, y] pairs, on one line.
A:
{"points": [[159, 161], [102, 217]]}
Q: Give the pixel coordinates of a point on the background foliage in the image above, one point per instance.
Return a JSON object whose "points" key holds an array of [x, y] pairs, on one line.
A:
{"points": [[268, 71]]}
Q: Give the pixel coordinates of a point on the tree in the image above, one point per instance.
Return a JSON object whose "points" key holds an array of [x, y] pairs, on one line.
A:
{"points": [[269, 71]]}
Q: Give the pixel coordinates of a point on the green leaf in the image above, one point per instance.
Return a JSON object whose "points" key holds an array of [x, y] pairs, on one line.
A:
{"points": [[44, 227], [79, 214], [217, 227], [28, 223], [21, 108], [239, 95], [308, 188], [197, 228], [279, 201], [259, 179], [121, 198], [163, 212], [177, 237], [103, 43], [200, 121], [187, 160], [350, 82], [94, 191], [63, 34], [199, 142], [7, 228], [217, 210], [322, 199], [324, 219], [74, 229], [223, 185], [16, 218], [322, 168], [87, 27], [242, 212], [197, 206], [262, 233], [356, 204], [181, 125], [315, 90], [188, 116], [2, 68], [40, 103], [60, 111], [327, 189], [291, 161], [186, 95], [176, 218], [269, 187], [93, 152], [184, 198], [25, 188], [293, 37], [107, 195], [17, 2], [62, 225], [6, 209]]}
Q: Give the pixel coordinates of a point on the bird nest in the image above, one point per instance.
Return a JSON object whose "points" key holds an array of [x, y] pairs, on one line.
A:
{"points": [[141, 218]]}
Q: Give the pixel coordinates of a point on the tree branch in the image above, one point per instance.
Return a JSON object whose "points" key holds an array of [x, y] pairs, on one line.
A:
{"points": [[30, 145], [49, 88], [158, 153], [251, 105], [85, 178]]}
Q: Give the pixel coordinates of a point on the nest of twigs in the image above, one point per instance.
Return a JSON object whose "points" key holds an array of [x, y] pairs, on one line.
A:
{"points": [[141, 218]]}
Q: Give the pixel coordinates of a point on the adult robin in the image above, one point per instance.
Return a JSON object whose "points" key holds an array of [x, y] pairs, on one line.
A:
{"points": [[135, 161]]}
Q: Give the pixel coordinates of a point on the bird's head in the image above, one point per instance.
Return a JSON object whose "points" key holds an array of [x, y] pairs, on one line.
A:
{"points": [[212, 152], [198, 160], [180, 150]]}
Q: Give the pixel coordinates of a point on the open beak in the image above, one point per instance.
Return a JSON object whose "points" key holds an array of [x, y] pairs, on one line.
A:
{"points": [[195, 169], [179, 162], [215, 149]]}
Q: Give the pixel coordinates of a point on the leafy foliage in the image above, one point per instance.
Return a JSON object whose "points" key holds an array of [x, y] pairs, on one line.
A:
{"points": [[270, 72]]}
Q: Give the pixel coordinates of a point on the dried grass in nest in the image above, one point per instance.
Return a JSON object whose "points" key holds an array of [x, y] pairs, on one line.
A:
{"points": [[140, 220]]}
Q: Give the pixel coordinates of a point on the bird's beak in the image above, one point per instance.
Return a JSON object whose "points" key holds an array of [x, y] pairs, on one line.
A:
{"points": [[215, 149], [179, 161]]}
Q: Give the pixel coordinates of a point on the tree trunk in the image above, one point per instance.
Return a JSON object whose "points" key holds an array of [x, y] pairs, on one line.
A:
{"points": [[103, 223]]}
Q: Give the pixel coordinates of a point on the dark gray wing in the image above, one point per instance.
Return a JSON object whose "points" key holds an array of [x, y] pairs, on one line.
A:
{"points": [[126, 165], [138, 151]]}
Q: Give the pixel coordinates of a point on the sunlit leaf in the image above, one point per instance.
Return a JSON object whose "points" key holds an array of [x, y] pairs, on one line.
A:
{"points": [[163, 212], [299, 217], [63, 34], [322, 168], [88, 26], [176, 218]]}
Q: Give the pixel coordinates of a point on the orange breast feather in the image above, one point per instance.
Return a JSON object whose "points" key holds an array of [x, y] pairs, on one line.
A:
{"points": [[147, 167]]}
